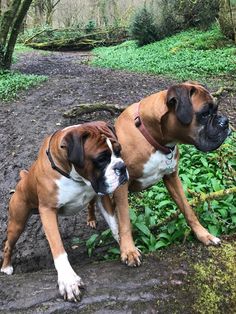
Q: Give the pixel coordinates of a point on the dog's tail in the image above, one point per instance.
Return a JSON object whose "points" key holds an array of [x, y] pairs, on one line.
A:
{"points": [[23, 174]]}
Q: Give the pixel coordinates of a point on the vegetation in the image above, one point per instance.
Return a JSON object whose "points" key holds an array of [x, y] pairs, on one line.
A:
{"points": [[11, 83], [215, 282], [153, 214], [192, 54], [149, 25], [143, 28]]}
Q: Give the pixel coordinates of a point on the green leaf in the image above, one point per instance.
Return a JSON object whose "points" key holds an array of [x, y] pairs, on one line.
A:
{"points": [[91, 241], [213, 229], [233, 219], [143, 228], [160, 244], [223, 212], [114, 250], [164, 203], [204, 162]]}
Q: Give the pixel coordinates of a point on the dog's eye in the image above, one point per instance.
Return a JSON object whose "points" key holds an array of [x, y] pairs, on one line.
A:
{"points": [[117, 151], [102, 159], [205, 114]]}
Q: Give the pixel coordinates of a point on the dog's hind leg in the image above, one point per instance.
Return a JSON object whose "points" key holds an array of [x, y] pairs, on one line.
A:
{"points": [[18, 215], [91, 218]]}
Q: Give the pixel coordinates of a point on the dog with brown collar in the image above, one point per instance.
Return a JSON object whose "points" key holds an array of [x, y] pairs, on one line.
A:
{"points": [[73, 166], [148, 132]]}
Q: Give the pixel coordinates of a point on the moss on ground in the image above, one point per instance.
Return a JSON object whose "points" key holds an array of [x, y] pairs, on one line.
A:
{"points": [[215, 280]]}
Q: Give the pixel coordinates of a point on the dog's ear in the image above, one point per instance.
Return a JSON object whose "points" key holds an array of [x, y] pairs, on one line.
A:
{"points": [[178, 96], [112, 128], [74, 144]]}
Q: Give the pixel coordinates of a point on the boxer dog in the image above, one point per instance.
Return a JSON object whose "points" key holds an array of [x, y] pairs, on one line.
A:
{"points": [[74, 164], [148, 132]]}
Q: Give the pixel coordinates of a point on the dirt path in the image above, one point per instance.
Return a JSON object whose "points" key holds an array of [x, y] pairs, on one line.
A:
{"points": [[24, 123]]}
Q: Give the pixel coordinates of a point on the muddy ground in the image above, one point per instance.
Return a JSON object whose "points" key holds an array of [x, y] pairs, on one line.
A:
{"points": [[112, 288]]}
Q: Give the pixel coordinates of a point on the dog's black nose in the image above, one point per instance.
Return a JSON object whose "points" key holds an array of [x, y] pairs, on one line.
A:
{"points": [[120, 168], [223, 122]]}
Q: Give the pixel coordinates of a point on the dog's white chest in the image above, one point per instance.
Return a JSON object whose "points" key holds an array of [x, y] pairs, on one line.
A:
{"points": [[73, 195], [156, 167]]}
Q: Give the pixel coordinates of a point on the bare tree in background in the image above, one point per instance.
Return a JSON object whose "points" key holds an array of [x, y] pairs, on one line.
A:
{"points": [[227, 18], [10, 23], [50, 6]]}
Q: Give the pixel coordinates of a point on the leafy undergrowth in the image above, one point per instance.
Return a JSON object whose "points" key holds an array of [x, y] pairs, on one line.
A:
{"points": [[11, 83], [192, 54], [153, 213]]}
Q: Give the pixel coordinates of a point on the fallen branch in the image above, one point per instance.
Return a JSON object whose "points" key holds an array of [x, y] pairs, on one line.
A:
{"points": [[200, 198], [222, 89], [90, 108]]}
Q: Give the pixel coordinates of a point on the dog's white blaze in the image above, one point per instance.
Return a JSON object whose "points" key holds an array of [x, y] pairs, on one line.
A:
{"points": [[156, 167], [112, 179], [68, 280], [73, 195], [7, 270], [111, 220]]}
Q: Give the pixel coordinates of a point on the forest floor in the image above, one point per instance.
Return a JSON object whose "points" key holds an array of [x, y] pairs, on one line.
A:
{"points": [[111, 287]]}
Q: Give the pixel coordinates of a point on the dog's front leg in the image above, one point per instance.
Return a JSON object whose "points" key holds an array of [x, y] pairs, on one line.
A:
{"points": [[129, 253], [69, 282], [175, 188]]}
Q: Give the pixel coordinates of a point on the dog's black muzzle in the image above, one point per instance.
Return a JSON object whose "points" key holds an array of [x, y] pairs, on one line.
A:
{"points": [[213, 133]]}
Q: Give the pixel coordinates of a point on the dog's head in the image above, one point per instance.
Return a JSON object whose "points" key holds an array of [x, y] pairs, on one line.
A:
{"points": [[191, 117], [94, 154]]}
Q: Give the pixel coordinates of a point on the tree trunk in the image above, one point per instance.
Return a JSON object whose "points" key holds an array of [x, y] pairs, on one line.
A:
{"points": [[50, 8], [10, 25], [227, 18]]}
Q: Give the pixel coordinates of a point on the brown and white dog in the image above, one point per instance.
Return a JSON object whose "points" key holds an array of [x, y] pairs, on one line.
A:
{"points": [[74, 164], [148, 132]]}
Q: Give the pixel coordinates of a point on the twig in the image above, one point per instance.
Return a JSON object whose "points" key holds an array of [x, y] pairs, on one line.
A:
{"points": [[194, 202], [220, 91], [88, 108]]}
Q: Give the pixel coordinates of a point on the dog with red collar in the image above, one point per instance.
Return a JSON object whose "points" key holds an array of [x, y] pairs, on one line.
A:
{"points": [[73, 166], [148, 132]]}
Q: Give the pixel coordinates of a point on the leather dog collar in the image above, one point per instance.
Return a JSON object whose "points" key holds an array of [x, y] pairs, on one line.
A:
{"points": [[53, 165], [141, 127]]}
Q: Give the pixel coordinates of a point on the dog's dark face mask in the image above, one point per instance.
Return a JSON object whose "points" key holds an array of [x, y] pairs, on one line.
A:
{"points": [[100, 163], [198, 121], [213, 128]]}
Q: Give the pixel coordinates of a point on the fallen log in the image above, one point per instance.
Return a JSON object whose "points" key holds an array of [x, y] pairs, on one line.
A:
{"points": [[74, 40]]}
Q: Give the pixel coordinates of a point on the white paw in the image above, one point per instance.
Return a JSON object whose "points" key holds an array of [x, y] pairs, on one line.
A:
{"points": [[215, 241], [7, 270], [68, 281], [69, 287]]}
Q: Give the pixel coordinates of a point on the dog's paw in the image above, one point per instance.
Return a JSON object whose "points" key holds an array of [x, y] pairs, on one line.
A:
{"points": [[131, 257], [7, 270], [92, 223], [208, 239], [69, 287]]}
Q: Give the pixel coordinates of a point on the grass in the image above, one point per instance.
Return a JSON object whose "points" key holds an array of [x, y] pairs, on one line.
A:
{"points": [[12, 83], [192, 54]]}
